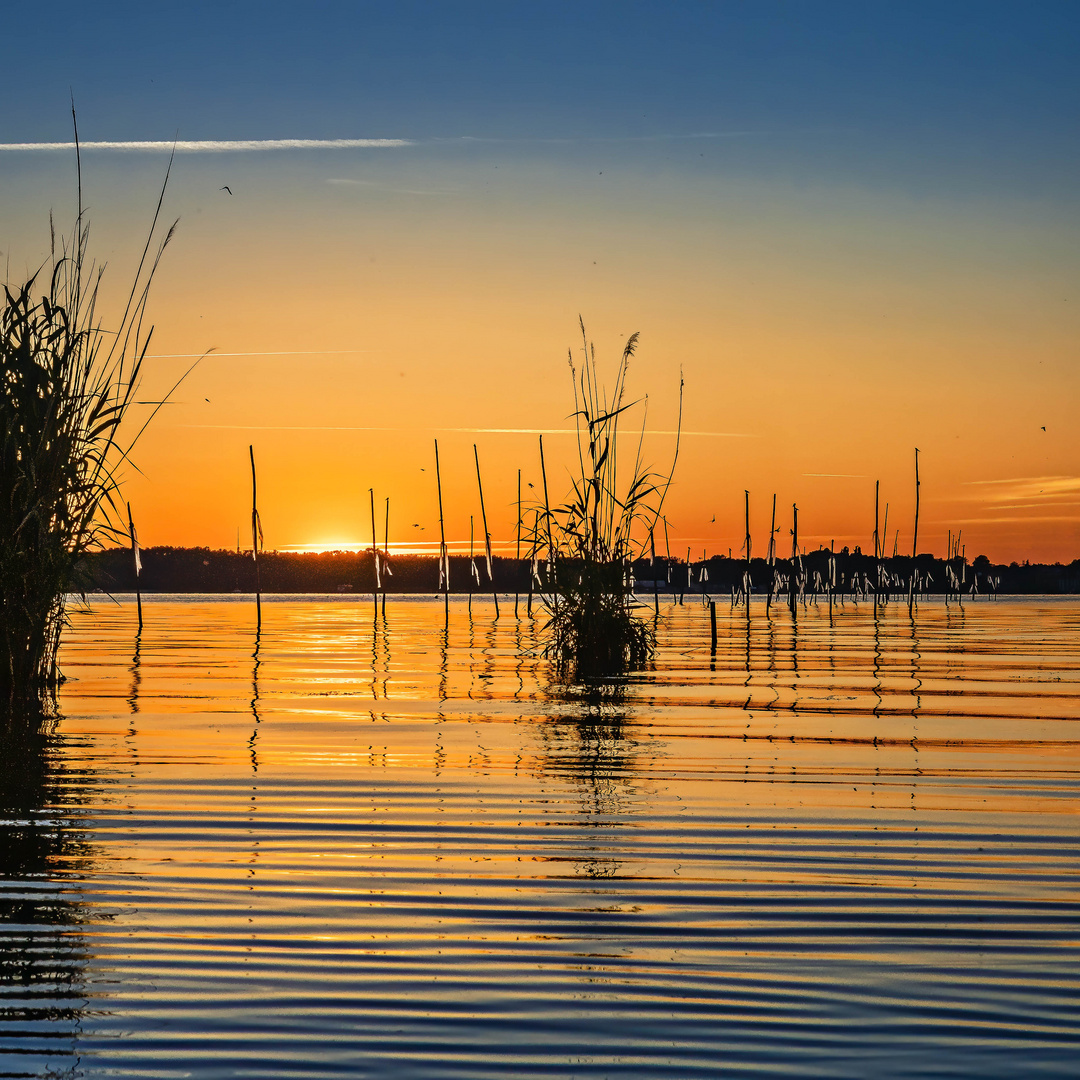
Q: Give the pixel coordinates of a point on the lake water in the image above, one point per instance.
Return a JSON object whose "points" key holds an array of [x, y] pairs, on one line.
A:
{"points": [[360, 848]]}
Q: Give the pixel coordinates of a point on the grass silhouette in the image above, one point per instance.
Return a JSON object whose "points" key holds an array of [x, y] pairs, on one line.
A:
{"points": [[66, 385]]}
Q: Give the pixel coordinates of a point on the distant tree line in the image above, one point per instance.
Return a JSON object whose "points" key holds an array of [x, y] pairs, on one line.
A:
{"points": [[202, 570]]}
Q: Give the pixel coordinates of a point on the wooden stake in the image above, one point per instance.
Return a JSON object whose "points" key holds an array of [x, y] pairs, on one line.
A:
{"points": [[444, 557], [794, 554], [772, 557], [746, 580], [552, 575], [655, 583], [487, 535], [137, 563], [877, 543], [256, 529], [386, 553], [374, 554], [914, 539]]}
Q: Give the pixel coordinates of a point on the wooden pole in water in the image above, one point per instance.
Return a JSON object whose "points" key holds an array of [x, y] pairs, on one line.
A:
{"points": [[532, 564], [374, 554], [772, 557], [256, 529], [517, 554], [137, 561], [472, 560], [386, 553], [746, 582], [914, 538], [794, 554], [553, 582], [832, 573], [712, 623], [655, 583], [667, 565], [487, 535], [444, 557], [877, 543]]}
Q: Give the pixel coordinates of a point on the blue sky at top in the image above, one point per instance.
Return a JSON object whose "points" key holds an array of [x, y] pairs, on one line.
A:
{"points": [[929, 94]]}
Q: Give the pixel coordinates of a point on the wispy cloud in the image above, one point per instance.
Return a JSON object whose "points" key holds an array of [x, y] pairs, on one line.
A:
{"points": [[1026, 519], [212, 146], [568, 140], [458, 430], [838, 475], [225, 146], [212, 354], [1021, 488]]}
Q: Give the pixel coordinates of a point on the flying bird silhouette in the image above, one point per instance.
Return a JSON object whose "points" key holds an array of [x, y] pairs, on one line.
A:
{"points": [[1044, 429], [226, 188]]}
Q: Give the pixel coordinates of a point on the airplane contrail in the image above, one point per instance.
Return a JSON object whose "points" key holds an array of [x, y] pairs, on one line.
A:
{"points": [[212, 146]]}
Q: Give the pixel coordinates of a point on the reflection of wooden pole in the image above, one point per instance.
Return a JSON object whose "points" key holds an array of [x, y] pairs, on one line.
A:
{"points": [[712, 622], [374, 555], [487, 535], [137, 563], [443, 554], [255, 539]]}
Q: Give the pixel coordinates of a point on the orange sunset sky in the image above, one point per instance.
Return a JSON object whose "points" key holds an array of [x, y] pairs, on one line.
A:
{"points": [[855, 235]]}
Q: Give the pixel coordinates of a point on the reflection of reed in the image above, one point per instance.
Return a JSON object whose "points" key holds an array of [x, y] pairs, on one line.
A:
{"points": [[43, 960], [255, 698], [444, 662], [136, 672], [596, 750]]}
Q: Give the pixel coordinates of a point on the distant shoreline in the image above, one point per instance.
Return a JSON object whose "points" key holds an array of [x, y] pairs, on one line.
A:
{"points": [[169, 570]]}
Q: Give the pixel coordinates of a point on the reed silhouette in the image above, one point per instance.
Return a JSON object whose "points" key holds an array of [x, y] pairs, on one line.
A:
{"points": [[67, 385], [593, 538]]}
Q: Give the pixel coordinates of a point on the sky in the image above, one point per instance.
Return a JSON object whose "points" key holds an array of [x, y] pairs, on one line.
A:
{"points": [[852, 229]]}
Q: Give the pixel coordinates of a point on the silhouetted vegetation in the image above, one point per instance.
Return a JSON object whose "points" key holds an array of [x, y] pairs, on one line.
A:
{"points": [[66, 384], [202, 570], [592, 539]]}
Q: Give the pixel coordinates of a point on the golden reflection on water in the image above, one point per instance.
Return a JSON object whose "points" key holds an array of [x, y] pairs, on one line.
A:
{"points": [[339, 843]]}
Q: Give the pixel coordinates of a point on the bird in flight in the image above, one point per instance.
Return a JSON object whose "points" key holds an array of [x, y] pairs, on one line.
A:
{"points": [[225, 188], [1044, 428]]}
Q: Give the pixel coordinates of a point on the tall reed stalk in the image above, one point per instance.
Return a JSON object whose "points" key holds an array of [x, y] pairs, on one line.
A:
{"points": [[66, 385]]}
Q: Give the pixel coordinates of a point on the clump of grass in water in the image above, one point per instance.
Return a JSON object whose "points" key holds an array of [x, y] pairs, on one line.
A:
{"points": [[66, 384], [593, 630]]}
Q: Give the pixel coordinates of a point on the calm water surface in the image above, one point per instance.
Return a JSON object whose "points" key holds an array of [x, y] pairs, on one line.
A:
{"points": [[361, 848]]}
